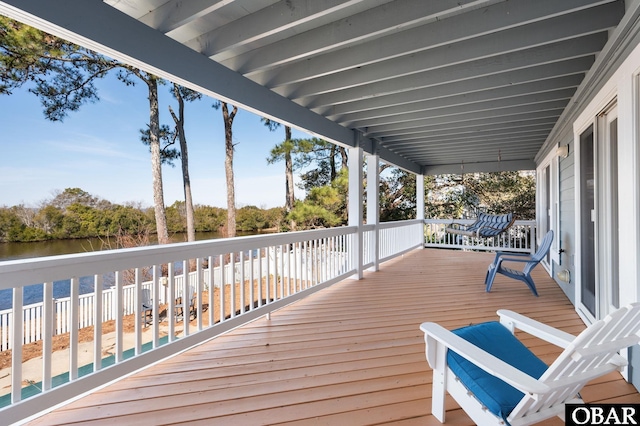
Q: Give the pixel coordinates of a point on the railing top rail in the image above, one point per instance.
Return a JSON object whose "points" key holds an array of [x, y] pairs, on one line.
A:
{"points": [[22, 272], [469, 221], [398, 223]]}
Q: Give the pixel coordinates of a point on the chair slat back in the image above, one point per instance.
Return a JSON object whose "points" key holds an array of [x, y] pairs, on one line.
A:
{"points": [[545, 245], [588, 356], [146, 297]]}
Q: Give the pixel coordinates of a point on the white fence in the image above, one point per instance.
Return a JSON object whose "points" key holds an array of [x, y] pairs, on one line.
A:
{"points": [[33, 314]]}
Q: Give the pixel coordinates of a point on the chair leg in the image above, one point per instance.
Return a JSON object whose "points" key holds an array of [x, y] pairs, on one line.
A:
{"points": [[491, 274], [439, 388], [147, 315], [532, 286]]}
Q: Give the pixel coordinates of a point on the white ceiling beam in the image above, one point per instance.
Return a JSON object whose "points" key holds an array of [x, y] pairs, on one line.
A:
{"points": [[526, 150], [409, 138], [516, 39], [426, 143], [468, 156], [508, 153], [489, 166], [560, 51], [490, 148], [375, 22], [531, 100], [500, 166], [471, 25], [516, 90], [177, 13], [552, 114], [463, 118], [577, 66], [268, 21]]}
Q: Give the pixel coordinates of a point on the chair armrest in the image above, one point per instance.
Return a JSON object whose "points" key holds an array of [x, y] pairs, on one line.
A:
{"points": [[509, 253], [491, 364], [513, 320], [512, 259], [499, 255]]}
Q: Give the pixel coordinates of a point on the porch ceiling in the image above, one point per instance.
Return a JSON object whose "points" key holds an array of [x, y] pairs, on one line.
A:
{"points": [[428, 85]]}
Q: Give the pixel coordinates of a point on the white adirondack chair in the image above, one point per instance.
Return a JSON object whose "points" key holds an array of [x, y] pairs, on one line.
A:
{"points": [[496, 380]]}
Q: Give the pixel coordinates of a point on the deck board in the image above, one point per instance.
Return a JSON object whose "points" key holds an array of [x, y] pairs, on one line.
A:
{"points": [[349, 354]]}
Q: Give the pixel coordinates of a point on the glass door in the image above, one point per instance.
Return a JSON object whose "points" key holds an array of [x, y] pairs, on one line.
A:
{"points": [[587, 223]]}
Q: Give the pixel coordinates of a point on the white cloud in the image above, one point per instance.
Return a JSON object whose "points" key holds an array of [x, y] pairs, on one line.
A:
{"points": [[92, 145]]}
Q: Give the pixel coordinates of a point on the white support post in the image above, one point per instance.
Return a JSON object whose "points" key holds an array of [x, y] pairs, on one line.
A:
{"points": [[420, 203], [355, 204], [373, 206]]}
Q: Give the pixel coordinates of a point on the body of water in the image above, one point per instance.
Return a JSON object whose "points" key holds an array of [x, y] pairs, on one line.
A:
{"points": [[10, 251], [34, 293]]}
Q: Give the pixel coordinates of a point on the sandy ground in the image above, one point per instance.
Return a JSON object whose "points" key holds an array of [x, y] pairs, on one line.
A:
{"points": [[32, 369], [32, 353]]}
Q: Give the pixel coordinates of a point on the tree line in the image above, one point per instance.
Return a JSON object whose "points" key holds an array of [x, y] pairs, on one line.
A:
{"points": [[74, 213]]}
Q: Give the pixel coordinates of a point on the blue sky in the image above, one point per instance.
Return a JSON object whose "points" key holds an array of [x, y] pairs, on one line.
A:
{"points": [[98, 149]]}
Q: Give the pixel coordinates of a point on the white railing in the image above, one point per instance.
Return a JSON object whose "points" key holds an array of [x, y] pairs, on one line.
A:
{"points": [[398, 237], [252, 276], [394, 237], [520, 237]]}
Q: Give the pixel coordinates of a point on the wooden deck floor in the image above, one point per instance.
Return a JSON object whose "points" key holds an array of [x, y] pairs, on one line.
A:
{"points": [[351, 354]]}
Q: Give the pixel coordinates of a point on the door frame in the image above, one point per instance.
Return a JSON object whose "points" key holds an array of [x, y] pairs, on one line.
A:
{"points": [[548, 179], [608, 205]]}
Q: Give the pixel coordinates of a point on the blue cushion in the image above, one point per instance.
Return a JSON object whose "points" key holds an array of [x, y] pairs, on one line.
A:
{"points": [[499, 397]]}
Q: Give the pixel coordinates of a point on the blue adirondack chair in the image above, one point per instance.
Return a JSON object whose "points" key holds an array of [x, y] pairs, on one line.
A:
{"points": [[147, 307], [530, 262]]}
